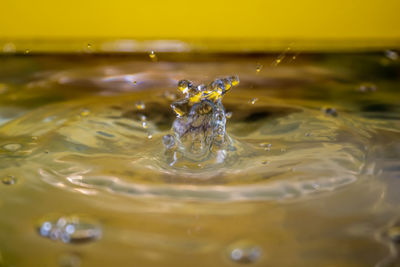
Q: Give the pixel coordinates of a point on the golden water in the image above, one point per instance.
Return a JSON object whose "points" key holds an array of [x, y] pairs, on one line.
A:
{"points": [[313, 181]]}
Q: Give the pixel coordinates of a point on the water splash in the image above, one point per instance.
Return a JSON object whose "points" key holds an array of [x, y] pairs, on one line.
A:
{"points": [[199, 129]]}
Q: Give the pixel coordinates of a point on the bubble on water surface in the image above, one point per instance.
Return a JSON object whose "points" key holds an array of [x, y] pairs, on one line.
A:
{"points": [[153, 56], [259, 68], [244, 252], [70, 229], [253, 100]]}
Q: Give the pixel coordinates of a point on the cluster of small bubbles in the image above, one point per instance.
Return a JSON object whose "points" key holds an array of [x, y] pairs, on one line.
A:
{"points": [[245, 253], [392, 55], [70, 260], [140, 105], [367, 87], [153, 56], [85, 112], [259, 67], [12, 147], [228, 115], [168, 141], [71, 229], [253, 100], [330, 111], [9, 180]]}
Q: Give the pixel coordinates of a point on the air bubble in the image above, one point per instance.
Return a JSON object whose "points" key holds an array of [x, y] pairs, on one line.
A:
{"points": [[140, 105], [70, 229], [253, 100], [9, 180]]}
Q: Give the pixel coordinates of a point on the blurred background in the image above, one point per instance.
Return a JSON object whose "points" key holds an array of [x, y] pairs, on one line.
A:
{"points": [[177, 25]]}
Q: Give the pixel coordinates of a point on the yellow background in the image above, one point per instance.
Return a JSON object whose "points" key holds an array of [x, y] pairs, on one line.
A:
{"points": [[308, 21]]}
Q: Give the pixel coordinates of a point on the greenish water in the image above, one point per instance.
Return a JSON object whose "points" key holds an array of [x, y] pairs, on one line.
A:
{"points": [[311, 178]]}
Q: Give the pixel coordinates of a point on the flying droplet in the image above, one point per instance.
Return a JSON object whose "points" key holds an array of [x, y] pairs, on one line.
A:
{"points": [[253, 100], [9, 180], [140, 105], [12, 147], [168, 141], [70, 229], [153, 56], [259, 67]]}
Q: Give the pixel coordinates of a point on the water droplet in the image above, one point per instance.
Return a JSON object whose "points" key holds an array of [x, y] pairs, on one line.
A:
{"points": [[245, 252], [145, 125], [153, 56], [308, 134], [259, 67], [12, 147], [142, 117], [283, 150], [134, 82], [27, 51], [367, 87], [330, 111], [70, 229], [390, 54], [89, 46], [9, 180], [149, 136], [170, 96], [184, 86], [34, 138], [85, 112], [253, 100], [234, 80], [168, 141], [228, 115], [140, 105]]}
